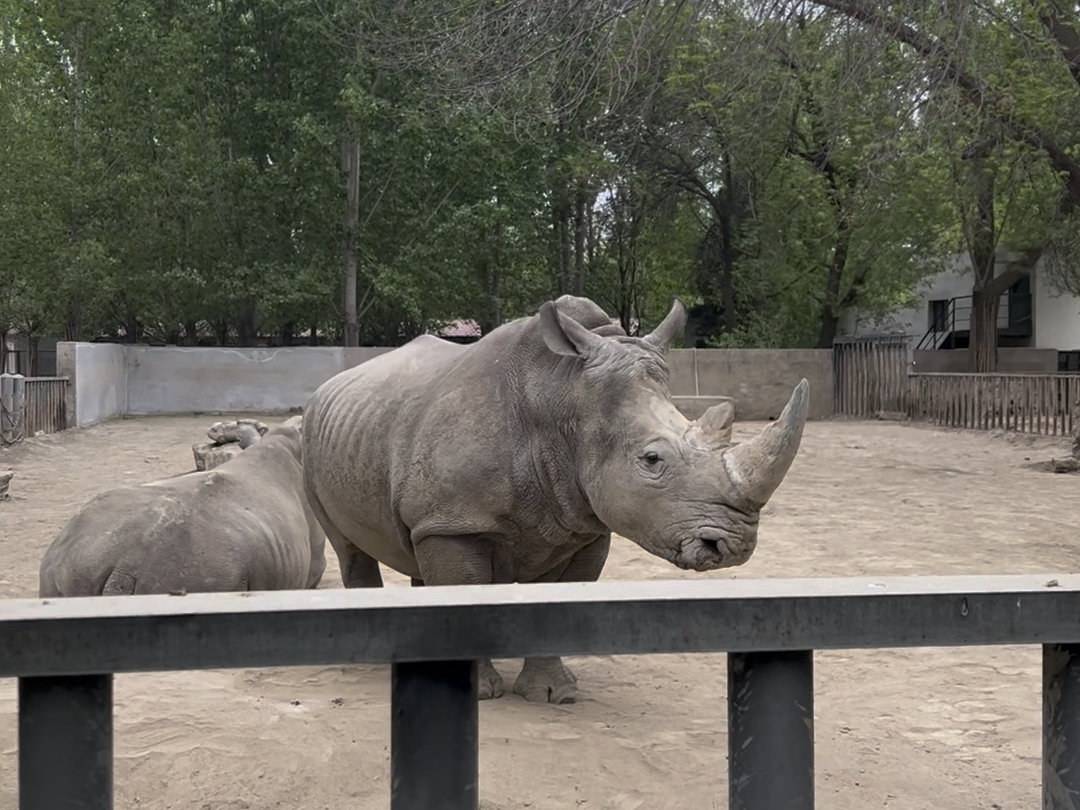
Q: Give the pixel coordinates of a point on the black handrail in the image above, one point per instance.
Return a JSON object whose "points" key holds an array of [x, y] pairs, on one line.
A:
{"points": [[958, 316]]}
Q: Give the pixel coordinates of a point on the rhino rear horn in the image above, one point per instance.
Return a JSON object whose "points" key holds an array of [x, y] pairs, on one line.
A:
{"points": [[674, 324], [757, 467]]}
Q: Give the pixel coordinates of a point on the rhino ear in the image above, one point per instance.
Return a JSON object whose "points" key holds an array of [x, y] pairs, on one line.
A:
{"points": [[564, 335], [674, 324]]}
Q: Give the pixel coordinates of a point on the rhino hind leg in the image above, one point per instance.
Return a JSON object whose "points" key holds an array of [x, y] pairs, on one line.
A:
{"points": [[358, 570]]}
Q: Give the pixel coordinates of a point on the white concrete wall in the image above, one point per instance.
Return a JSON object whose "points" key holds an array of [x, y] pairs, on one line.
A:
{"points": [[98, 377], [173, 379], [915, 321], [1057, 316]]}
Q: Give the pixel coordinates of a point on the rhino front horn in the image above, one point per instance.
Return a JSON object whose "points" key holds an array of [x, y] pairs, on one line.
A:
{"points": [[757, 467]]}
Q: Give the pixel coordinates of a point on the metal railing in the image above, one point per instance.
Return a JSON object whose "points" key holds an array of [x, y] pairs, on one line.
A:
{"points": [[64, 653], [1047, 404], [1013, 314]]}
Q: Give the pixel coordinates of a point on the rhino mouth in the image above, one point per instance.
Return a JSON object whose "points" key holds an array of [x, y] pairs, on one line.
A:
{"points": [[710, 549]]}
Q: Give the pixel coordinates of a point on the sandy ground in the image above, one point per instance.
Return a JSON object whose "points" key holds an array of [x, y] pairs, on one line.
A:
{"points": [[949, 729]]}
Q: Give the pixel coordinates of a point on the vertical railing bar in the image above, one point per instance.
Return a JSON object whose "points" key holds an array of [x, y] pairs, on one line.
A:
{"points": [[434, 736], [771, 730], [66, 743], [1061, 726]]}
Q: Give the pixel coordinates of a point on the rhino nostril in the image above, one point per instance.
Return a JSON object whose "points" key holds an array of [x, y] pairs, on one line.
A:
{"points": [[710, 543]]}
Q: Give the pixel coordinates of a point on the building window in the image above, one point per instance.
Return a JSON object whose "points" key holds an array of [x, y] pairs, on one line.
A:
{"points": [[1069, 361], [939, 315]]}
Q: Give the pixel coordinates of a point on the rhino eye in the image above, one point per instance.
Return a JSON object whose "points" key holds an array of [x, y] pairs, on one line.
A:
{"points": [[651, 458]]}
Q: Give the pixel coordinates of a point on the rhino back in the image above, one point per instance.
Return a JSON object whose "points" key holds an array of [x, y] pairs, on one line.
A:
{"points": [[227, 529]]}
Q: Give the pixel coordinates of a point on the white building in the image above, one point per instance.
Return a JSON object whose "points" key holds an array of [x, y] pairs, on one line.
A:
{"points": [[1033, 316]]}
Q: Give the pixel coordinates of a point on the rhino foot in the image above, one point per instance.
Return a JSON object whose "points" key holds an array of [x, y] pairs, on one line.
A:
{"points": [[546, 680], [491, 682]]}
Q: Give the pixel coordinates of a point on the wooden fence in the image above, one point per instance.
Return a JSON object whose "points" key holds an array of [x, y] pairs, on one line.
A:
{"points": [[870, 375], [29, 405], [46, 405], [1046, 404]]}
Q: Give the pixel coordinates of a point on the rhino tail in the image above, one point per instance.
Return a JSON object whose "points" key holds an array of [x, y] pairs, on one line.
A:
{"points": [[119, 583]]}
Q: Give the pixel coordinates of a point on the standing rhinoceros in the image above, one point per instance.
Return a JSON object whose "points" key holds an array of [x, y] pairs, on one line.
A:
{"points": [[513, 459], [243, 526]]}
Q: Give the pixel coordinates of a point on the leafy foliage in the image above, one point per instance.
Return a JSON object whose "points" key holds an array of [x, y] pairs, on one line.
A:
{"points": [[177, 173]]}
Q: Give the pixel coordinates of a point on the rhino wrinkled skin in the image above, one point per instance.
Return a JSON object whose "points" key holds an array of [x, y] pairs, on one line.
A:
{"points": [[513, 459], [243, 526]]}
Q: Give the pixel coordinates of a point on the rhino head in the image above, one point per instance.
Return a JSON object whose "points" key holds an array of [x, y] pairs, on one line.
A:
{"points": [[679, 489]]}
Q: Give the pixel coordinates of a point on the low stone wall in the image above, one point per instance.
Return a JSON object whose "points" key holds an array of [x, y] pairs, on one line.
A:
{"points": [[98, 381], [111, 380], [174, 379], [759, 381]]}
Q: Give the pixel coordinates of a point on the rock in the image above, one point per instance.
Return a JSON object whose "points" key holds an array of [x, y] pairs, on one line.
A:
{"points": [[209, 455], [891, 416], [1065, 465], [5, 479], [247, 435], [262, 427], [222, 432]]}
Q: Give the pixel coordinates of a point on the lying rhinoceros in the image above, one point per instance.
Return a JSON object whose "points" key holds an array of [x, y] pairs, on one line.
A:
{"points": [[243, 526], [513, 459]]}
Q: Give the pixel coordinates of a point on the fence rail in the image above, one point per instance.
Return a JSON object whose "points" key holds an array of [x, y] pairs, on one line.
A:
{"points": [[1047, 404], [870, 375], [65, 652]]}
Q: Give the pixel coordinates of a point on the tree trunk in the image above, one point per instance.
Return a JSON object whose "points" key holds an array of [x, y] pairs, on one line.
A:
{"points": [[982, 352], [73, 320], [350, 167], [31, 356], [985, 295], [246, 325], [580, 232], [830, 307], [727, 248]]}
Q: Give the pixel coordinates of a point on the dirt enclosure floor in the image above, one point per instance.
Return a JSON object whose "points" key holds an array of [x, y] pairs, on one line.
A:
{"points": [[948, 729]]}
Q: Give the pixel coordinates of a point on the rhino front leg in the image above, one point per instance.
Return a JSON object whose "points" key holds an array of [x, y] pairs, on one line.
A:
{"points": [[548, 679], [491, 682], [460, 561]]}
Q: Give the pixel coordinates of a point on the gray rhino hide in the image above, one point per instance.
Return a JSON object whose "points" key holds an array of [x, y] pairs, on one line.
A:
{"points": [[243, 526], [514, 458]]}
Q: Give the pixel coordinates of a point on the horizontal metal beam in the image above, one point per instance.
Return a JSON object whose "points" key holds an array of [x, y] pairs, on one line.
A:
{"points": [[297, 628]]}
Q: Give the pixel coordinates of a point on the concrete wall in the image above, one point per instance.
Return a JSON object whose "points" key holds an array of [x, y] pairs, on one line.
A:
{"points": [[760, 381], [111, 380], [174, 379], [1057, 316], [98, 381], [1010, 361]]}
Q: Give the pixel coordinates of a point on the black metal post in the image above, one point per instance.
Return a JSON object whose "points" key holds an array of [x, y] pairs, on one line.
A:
{"points": [[66, 743], [771, 730], [1061, 726], [434, 736]]}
